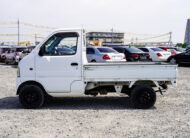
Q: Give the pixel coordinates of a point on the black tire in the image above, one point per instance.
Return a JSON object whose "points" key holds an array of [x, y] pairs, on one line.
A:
{"points": [[14, 61], [142, 97], [6, 61], [31, 96]]}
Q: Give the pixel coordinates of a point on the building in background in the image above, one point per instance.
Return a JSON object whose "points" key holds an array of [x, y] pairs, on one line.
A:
{"points": [[105, 38], [187, 32]]}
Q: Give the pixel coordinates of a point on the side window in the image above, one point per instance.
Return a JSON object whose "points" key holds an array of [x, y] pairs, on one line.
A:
{"points": [[61, 44], [90, 51]]}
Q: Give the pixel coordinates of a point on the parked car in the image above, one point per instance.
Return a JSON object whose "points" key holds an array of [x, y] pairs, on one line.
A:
{"points": [[156, 54], [65, 51], [15, 54], [173, 50], [104, 54], [182, 58], [30, 48], [3, 50], [133, 54]]}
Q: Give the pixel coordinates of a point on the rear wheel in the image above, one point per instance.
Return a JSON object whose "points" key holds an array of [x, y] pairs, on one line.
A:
{"points": [[31, 96], [93, 60], [142, 97]]}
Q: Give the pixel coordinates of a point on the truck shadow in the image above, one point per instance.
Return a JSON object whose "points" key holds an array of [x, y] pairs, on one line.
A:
{"points": [[82, 103], [74, 103]]}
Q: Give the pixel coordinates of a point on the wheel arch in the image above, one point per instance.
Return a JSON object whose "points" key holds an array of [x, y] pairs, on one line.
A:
{"points": [[93, 60], [31, 82], [147, 82]]}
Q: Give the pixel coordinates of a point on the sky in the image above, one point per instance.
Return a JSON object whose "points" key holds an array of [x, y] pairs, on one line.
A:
{"points": [[137, 16]]}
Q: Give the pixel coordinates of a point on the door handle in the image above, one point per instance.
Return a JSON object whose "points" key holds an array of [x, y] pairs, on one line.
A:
{"points": [[74, 64]]}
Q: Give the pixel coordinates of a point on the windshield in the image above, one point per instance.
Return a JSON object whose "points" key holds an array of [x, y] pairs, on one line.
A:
{"points": [[106, 50], [156, 49], [134, 50]]}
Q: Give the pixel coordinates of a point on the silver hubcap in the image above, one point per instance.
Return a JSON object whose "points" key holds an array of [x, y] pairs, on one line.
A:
{"points": [[173, 61]]}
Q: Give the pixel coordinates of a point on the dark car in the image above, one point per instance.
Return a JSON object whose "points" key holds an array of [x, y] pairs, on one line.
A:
{"points": [[133, 54], [182, 58]]}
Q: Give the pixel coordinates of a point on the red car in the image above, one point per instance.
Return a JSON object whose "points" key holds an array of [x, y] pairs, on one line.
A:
{"points": [[173, 50]]}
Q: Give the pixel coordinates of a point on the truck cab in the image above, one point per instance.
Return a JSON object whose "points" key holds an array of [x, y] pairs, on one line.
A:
{"points": [[58, 67]]}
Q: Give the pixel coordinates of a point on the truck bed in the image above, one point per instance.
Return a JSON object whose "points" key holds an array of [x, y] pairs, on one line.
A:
{"points": [[129, 71]]}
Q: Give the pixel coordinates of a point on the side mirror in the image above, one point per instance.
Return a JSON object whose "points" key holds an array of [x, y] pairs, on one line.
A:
{"points": [[41, 52]]}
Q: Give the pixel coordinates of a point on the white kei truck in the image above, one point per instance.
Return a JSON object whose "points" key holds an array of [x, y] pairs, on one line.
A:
{"points": [[58, 67]]}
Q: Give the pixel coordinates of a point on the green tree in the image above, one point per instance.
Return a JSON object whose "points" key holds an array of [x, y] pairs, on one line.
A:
{"points": [[179, 44], [182, 45], [185, 45]]}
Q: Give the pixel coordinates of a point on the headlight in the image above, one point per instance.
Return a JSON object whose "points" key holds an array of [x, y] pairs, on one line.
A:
{"points": [[18, 72]]}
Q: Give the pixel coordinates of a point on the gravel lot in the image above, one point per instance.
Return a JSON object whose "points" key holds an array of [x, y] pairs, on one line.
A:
{"points": [[95, 117]]}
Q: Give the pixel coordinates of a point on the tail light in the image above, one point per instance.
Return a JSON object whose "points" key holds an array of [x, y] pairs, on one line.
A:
{"points": [[148, 56], [158, 54], [174, 53], [3, 51], [17, 53], [135, 55], [106, 57], [124, 57]]}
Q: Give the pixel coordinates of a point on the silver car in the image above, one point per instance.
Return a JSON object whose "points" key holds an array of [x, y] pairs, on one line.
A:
{"points": [[104, 54]]}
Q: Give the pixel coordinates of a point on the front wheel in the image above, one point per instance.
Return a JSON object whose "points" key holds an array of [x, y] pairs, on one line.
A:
{"points": [[142, 97], [31, 96]]}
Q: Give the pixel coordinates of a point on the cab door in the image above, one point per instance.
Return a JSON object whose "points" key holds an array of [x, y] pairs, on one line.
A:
{"points": [[58, 63]]}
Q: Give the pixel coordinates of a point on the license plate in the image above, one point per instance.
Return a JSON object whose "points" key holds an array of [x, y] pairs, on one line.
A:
{"points": [[143, 57], [116, 57]]}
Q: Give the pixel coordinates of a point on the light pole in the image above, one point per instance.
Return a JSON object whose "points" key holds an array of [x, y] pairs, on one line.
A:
{"points": [[18, 23]]}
